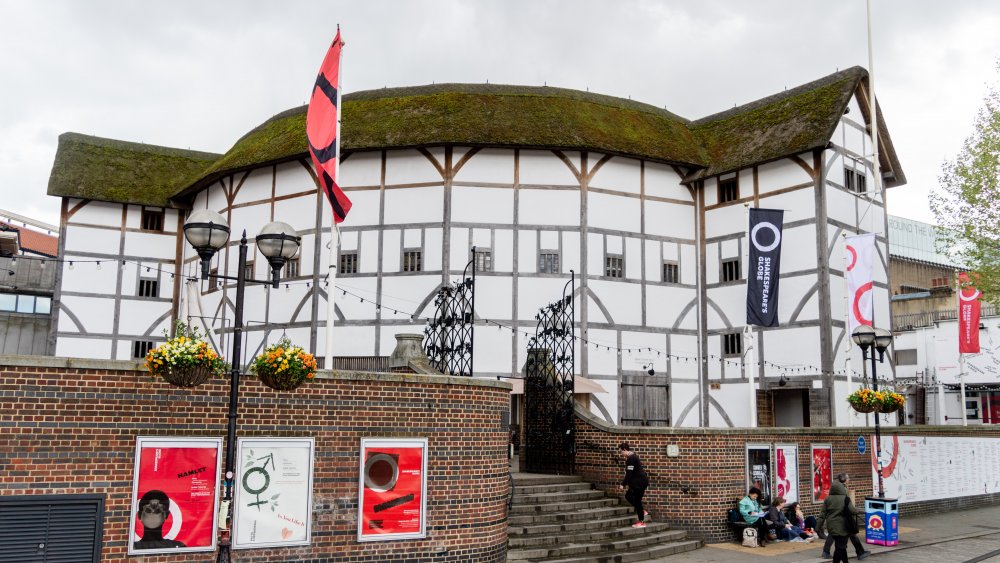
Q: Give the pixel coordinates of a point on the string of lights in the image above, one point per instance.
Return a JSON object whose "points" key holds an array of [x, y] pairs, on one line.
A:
{"points": [[413, 317]]}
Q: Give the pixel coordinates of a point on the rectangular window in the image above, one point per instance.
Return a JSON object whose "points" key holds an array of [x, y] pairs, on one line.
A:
{"points": [[729, 190], [671, 272], [855, 180], [484, 260], [8, 301], [152, 220], [141, 347], [348, 263], [248, 270], [412, 261], [732, 344], [849, 179], [548, 262], [43, 305], [149, 288], [614, 266], [906, 357], [25, 303], [731, 269], [291, 268]]}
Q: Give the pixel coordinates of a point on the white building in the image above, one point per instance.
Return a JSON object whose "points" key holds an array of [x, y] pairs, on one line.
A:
{"points": [[648, 209]]}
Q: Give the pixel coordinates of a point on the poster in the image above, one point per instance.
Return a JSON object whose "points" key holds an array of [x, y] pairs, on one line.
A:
{"points": [[822, 471], [759, 470], [786, 470], [919, 468], [273, 501], [392, 489], [175, 491]]}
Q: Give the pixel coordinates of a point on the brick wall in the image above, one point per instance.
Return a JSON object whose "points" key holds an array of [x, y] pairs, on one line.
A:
{"points": [[69, 427], [694, 491]]}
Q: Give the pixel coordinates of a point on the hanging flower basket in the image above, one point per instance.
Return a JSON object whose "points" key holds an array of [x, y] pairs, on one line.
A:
{"points": [[185, 360], [891, 402], [863, 400], [283, 366]]}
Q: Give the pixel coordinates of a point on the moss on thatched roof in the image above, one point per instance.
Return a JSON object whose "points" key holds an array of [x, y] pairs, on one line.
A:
{"points": [[108, 170], [792, 122]]}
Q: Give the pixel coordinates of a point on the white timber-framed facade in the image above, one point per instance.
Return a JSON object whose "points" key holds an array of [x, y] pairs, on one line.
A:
{"points": [[652, 223]]}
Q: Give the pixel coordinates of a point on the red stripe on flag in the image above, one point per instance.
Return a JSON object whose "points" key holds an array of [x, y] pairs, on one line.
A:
{"points": [[323, 129]]}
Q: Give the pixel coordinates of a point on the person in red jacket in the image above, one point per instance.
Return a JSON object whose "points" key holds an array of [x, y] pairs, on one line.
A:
{"points": [[636, 481]]}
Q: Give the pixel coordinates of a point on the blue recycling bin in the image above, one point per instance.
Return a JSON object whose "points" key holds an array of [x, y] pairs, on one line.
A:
{"points": [[881, 521]]}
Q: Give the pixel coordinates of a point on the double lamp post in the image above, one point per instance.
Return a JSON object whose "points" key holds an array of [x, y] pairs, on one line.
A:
{"points": [[874, 339], [208, 232]]}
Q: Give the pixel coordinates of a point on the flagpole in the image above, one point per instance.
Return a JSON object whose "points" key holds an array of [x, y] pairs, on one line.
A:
{"points": [[874, 109], [331, 306], [847, 333], [748, 332], [961, 356]]}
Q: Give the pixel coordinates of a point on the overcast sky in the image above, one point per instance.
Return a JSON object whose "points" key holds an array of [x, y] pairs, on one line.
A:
{"points": [[201, 74]]}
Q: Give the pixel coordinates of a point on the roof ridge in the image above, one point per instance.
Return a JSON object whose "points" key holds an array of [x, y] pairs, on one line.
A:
{"points": [[139, 147], [852, 72]]}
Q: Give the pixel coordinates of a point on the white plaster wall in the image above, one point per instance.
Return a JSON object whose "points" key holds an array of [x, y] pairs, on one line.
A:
{"points": [[790, 295], [689, 264], [140, 317], [492, 351], [603, 361], [361, 169], [490, 292], [548, 207], [798, 248], [792, 347], [734, 402], [90, 240], [731, 299], [96, 213], [495, 166], [527, 254], [782, 174], [482, 205], [571, 253], [595, 254], [295, 179], [619, 173], [257, 186], [85, 277], [711, 191], [664, 305], [150, 245], [605, 211], [96, 314], [684, 396], [545, 168], [70, 347], [798, 204], [662, 181], [725, 220], [433, 243], [410, 167], [670, 219], [633, 258], [622, 300], [503, 250], [414, 205]]}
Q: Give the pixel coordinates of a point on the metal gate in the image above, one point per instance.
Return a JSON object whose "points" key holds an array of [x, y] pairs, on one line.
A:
{"points": [[51, 528], [449, 338], [550, 439]]}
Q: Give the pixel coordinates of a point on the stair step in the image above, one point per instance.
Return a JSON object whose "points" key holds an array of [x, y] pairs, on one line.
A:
{"points": [[561, 528], [539, 479], [551, 488], [563, 507], [628, 544], [604, 532], [574, 516], [557, 497], [653, 552]]}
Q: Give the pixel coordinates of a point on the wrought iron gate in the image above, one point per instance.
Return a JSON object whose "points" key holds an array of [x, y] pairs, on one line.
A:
{"points": [[550, 439], [449, 338]]}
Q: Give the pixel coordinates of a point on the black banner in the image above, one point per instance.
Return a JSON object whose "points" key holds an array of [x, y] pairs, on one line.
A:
{"points": [[763, 271]]}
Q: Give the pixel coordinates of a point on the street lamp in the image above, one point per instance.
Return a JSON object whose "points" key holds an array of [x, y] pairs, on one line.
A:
{"points": [[877, 339], [208, 232]]}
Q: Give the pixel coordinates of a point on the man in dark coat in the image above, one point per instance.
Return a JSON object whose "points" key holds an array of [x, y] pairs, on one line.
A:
{"points": [[858, 547], [837, 509], [636, 481]]}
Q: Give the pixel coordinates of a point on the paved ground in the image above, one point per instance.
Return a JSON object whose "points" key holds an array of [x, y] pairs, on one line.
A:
{"points": [[952, 537]]}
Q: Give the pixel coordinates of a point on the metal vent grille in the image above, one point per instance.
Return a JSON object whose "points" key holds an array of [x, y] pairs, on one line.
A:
{"points": [[51, 528]]}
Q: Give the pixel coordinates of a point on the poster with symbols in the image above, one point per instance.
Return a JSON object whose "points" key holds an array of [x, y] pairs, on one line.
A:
{"points": [[273, 502]]}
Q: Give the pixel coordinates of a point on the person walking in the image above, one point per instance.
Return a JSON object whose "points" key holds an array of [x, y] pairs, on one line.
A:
{"points": [[636, 481], [858, 546], [838, 517]]}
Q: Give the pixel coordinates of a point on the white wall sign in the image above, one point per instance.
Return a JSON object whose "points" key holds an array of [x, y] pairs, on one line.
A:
{"points": [[786, 473], [919, 468], [273, 503]]}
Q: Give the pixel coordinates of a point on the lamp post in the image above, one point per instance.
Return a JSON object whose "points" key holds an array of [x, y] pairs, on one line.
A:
{"points": [[208, 231], [876, 339]]}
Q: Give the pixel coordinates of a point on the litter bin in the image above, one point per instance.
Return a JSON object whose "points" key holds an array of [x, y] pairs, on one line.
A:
{"points": [[881, 521]]}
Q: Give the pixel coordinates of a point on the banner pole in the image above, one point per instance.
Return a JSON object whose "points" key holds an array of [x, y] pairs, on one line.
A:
{"points": [[847, 330], [748, 330], [331, 306]]}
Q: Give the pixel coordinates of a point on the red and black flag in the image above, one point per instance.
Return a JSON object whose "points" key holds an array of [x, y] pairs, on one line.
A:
{"points": [[323, 129]]}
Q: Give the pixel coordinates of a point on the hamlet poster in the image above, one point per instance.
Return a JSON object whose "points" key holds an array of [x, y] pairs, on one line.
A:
{"points": [[175, 491]]}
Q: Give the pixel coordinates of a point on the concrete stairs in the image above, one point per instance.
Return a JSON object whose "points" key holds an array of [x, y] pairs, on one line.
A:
{"points": [[562, 519]]}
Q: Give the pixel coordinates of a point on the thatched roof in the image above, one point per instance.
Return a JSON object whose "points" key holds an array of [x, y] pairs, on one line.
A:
{"points": [[483, 115]]}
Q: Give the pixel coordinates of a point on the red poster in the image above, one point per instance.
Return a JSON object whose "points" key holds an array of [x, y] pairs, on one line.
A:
{"points": [[822, 471], [174, 495], [968, 316], [393, 489]]}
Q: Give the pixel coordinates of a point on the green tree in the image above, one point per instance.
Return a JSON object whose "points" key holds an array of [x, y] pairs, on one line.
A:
{"points": [[966, 202]]}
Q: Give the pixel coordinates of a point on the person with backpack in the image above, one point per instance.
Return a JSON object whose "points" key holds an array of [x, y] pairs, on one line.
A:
{"points": [[839, 518], [858, 546]]}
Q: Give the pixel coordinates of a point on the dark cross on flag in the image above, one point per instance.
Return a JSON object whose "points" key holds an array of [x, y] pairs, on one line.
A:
{"points": [[322, 129]]}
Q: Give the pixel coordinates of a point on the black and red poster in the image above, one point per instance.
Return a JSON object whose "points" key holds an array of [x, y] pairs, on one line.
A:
{"points": [[175, 492], [392, 498]]}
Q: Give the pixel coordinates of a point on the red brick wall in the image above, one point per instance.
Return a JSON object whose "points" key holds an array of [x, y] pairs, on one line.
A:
{"points": [[694, 491], [70, 430]]}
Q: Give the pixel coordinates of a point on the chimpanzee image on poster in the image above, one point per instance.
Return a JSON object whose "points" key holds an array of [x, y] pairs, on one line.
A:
{"points": [[174, 495], [392, 501], [759, 471]]}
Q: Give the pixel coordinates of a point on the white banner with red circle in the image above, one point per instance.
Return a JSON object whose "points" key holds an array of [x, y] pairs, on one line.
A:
{"points": [[860, 261]]}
